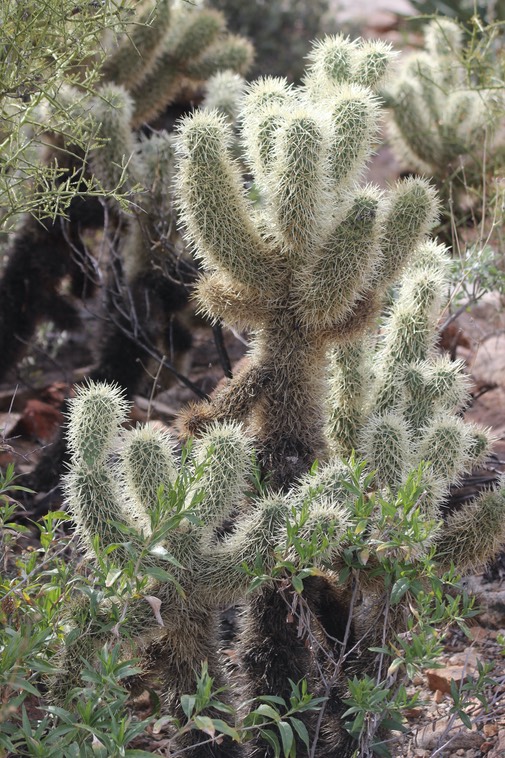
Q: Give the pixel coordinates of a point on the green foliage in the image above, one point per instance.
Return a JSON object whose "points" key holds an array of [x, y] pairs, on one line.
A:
{"points": [[331, 523], [307, 267], [396, 401], [36, 595], [475, 271], [44, 47]]}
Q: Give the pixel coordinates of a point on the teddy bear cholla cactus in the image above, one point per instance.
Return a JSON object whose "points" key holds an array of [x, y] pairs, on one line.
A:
{"points": [[305, 268], [114, 481], [169, 52], [308, 265], [396, 401], [442, 118]]}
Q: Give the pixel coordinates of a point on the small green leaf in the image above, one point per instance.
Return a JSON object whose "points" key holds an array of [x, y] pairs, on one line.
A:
{"points": [[224, 728], [380, 749], [164, 721], [56, 516], [162, 553], [272, 740], [205, 724], [399, 589], [297, 583], [286, 737], [188, 704], [454, 691], [465, 718], [301, 730], [22, 684], [392, 724], [272, 699], [111, 577], [266, 710]]}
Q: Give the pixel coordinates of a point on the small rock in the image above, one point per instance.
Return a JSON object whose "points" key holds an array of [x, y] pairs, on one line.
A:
{"points": [[467, 658], [439, 696], [413, 713], [479, 634], [498, 750], [440, 679], [457, 737], [490, 730], [8, 423]]}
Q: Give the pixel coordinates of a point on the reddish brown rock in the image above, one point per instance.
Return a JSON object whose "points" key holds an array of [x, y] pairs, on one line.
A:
{"points": [[440, 679]]}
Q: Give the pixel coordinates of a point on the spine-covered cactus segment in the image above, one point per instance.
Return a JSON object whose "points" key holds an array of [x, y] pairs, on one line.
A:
{"points": [[396, 402], [115, 481], [224, 92], [440, 117], [195, 48], [298, 266], [136, 51], [474, 535]]}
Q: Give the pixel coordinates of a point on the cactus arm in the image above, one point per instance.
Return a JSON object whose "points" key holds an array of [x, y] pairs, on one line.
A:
{"points": [[414, 134], [331, 64], [136, 52], [347, 395], [226, 456], [96, 505], [115, 163], [233, 402], [233, 52], [147, 462], [354, 126], [214, 207], [472, 536], [413, 211], [96, 413], [241, 307], [372, 63], [156, 91], [224, 92], [298, 185], [196, 31], [340, 268], [385, 445]]}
